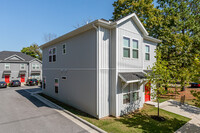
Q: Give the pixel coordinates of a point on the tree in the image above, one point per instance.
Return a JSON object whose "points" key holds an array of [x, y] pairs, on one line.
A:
{"points": [[159, 78], [33, 51], [176, 23], [144, 9]]}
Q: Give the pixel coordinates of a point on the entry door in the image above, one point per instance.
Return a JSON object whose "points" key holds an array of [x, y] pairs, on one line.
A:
{"points": [[7, 78], [147, 92], [22, 78]]}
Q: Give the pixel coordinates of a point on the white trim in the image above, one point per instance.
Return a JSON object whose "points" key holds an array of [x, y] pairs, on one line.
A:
{"points": [[146, 45], [21, 67], [136, 20], [13, 56], [36, 60], [149, 38], [5, 66]]}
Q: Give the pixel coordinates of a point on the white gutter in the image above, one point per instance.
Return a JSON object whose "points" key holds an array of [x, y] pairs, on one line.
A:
{"points": [[97, 68]]}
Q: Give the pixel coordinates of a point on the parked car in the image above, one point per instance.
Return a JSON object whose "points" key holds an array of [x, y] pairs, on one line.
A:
{"points": [[15, 83], [32, 82], [3, 84], [195, 85]]}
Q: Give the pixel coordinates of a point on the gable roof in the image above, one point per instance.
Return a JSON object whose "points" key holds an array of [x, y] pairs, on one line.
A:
{"points": [[104, 23], [4, 55]]}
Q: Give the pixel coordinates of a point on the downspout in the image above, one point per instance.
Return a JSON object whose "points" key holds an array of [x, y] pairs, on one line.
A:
{"points": [[97, 68]]}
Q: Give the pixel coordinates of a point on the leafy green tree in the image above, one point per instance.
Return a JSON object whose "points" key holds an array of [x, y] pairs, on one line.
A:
{"points": [[159, 78], [33, 51]]}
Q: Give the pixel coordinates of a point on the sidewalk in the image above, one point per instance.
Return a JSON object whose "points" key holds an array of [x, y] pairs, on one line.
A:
{"points": [[193, 126]]}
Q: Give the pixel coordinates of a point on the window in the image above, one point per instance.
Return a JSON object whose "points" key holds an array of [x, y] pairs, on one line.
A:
{"points": [[64, 48], [7, 66], [44, 82], [37, 66], [33, 66], [64, 78], [134, 49], [22, 66], [147, 52], [52, 55], [126, 47], [135, 96], [56, 85], [126, 96]]}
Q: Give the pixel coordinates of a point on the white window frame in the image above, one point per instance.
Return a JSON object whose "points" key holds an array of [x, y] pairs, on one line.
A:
{"points": [[135, 49], [7, 65], [21, 67], [124, 37], [147, 52], [58, 84], [126, 93], [33, 66], [64, 49], [37, 66]]}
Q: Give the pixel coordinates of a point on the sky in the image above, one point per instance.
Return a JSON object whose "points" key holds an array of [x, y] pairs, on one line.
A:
{"points": [[25, 22]]}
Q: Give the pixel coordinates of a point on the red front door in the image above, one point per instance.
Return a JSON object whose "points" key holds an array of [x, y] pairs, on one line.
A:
{"points": [[147, 92], [22, 78], [7, 78]]}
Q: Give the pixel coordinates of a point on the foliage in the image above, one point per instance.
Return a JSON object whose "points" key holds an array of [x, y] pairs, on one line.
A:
{"points": [[134, 123], [196, 94], [176, 23], [33, 51]]}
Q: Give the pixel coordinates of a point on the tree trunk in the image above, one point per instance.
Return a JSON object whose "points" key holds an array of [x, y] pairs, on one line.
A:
{"points": [[158, 108], [166, 88], [182, 85]]}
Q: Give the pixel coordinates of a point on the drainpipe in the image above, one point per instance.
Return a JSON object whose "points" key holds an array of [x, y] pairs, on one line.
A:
{"points": [[97, 67]]}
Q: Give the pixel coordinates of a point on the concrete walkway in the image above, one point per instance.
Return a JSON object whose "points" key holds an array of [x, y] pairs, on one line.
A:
{"points": [[193, 126]]}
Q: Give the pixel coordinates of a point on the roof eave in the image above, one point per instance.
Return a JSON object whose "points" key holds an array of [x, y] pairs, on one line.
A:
{"points": [[152, 39]]}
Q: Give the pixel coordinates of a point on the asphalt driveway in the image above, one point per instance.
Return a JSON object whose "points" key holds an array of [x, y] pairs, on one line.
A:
{"points": [[22, 113]]}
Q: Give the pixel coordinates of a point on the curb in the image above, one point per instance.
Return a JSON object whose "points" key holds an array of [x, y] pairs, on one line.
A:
{"points": [[49, 103]]}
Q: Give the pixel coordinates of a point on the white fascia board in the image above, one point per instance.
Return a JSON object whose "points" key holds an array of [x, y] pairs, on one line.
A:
{"points": [[36, 60], [136, 20], [152, 39], [133, 81], [14, 56]]}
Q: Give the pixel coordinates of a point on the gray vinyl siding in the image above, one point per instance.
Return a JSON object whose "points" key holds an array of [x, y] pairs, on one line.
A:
{"points": [[149, 63], [39, 70], [79, 66], [15, 69]]}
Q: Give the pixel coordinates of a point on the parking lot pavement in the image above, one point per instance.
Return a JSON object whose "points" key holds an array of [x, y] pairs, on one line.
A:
{"points": [[22, 113]]}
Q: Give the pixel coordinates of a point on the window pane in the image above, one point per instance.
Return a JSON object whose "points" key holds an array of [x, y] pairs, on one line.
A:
{"points": [[126, 42], [135, 53], [147, 49], [54, 58], [135, 44], [147, 56], [64, 46], [126, 52], [126, 98], [50, 58], [50, 51], [135, 96], [54, 50]]}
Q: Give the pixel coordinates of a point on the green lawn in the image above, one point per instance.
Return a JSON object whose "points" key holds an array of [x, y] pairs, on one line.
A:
{"points": [[134, 123]]}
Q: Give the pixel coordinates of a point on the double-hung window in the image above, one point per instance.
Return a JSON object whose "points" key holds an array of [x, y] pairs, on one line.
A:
{"points": [[33, 66], [22, 66], [52, 54], [56, 85], [147, 52], [135, 49], [126, 95], [64, 49], [135, 96], [37, 66], [7, 66], [126, 47]]}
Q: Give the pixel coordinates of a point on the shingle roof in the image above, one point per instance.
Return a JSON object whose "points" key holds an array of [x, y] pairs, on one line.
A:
{"points": [[6, 54], [133, 76]]}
